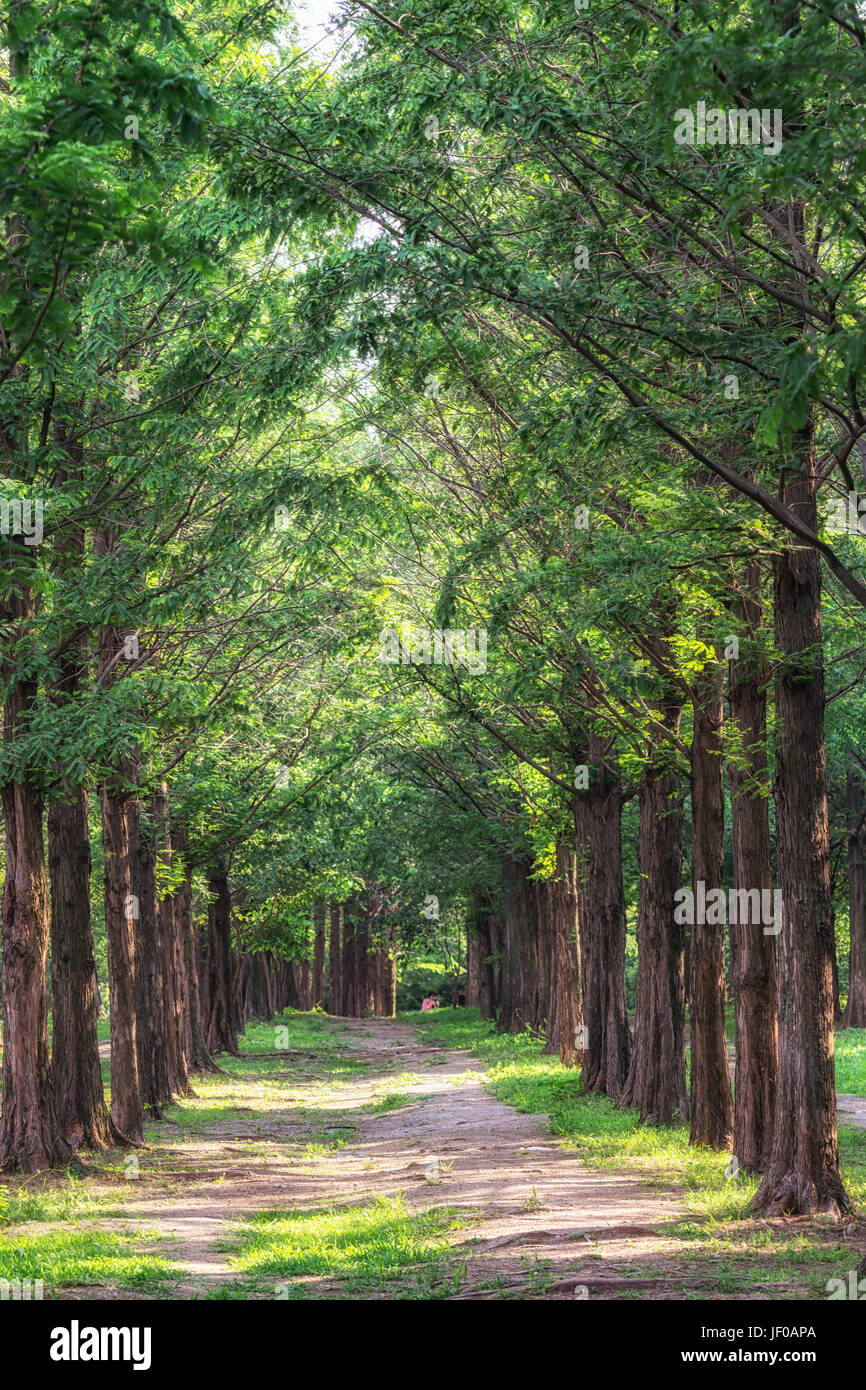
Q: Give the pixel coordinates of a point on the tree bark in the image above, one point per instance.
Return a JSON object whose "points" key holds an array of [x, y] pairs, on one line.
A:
{"points": [[76, 1074], [484, 954], [711, 1102], [282, 985], [753, 951], [607, 1039], [656, 1081], [261, 1003], [347, 965], [515, 928], [803, 1175], [121, 907], [30, 1135], [221, 1035], [390, 981], [528, 946], [150, 986], [547, 984], [334, 953], [319, 954], [566, 1002], [363, 970], [587, 927], [855, 1009], [198, 1057], [171, 960], [30, 1130], [304, 985], [473, 960]]}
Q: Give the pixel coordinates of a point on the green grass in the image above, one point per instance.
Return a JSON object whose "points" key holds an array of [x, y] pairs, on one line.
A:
{"points": [[392, 1100], [66, 1258], [56, 1200], [851, 1061], [364, 1247], [607, 1136], [297, 1032], [720, 1243]]}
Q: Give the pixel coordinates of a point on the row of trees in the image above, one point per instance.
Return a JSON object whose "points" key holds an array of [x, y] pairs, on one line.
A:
{"points": [[446, 335]]}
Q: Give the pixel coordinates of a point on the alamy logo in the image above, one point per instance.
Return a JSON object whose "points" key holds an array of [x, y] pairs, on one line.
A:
{"points": [[21, 1290], [855, 1288], [845, 515], [76, 1343], [739, 907], [22, 518], [443, 647], [732, 126]]}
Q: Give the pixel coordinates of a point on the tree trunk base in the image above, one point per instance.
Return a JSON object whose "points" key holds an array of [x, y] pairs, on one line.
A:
{"points": [[796, 1196]]}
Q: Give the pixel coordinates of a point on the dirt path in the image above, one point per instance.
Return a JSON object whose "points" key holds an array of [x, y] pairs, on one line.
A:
{"points": [[458, 1145], [539, 1223], [538, 1216]]}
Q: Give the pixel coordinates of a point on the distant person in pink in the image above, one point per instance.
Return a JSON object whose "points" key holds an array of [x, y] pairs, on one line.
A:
{"points": [[431, 1002]]}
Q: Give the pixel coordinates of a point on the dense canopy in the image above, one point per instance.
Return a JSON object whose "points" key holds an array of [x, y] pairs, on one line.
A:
{"points": [[433, 484]]}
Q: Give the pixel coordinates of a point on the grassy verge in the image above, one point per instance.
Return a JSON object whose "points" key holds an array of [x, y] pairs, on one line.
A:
{"points": [[720, 1241], [851, 1062], [607, 1136], [78, 1258], [60, 1227], [378, 1246]]}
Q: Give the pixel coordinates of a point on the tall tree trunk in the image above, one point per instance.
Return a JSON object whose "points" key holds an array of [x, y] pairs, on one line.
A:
{"points": [[221, 1035], [334, 962], [528, 945], [547, 982], [379, 982], [305, 990], [319, 954], [607, 1039], [258, 1000], [656, 1081], [121, 909], [202, 973], [241, 990], [198, 1057], [753, 951], [855, 1009], [363, 1001], [473, 959], [587, 927], [567, 1006], [150, 1018], [76, 1074], [496, 936], [515, 954], [282, 991], [484, 951], [803, 1175], [711, 1102], [390, 977], [347, 965], [171, 960], [509, 985], [30, 1129], [239, 957], [30, 1134]]}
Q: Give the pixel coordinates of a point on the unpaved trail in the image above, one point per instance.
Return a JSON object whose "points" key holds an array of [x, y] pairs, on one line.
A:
{"points": [[536, 1216], [457, 1145], [538, 1223]]}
